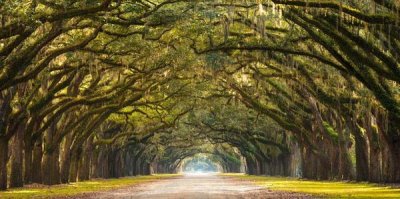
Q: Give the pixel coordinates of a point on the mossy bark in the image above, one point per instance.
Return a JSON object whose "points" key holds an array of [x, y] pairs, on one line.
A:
{"points": [[362, 166], [374, 149], [73, 169], [51, 168], [28, 154], [50, 162], [16, 176], [3, 162], [37, 161], [66, 159]]}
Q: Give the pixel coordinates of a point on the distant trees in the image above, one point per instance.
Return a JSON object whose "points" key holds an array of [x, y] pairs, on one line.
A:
{"points": [[106, 88], [325, 71]]}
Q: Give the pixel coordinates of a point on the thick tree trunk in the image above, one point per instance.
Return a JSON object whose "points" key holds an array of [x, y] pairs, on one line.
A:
{"points": [[375, 163], [65, 166], [84, 169], [308, 164], [323, 167], [84, 164], [139, 164], [389, 126], [66, 159], [28, 148], [374, 149], [127, 164], [47, 168], [96, 164], [16, 177], [37, 162], [134, 163], [346, 168], [386, 160], [3, 162], [51, 168], [395, 155], [118, 165], [105, 166], [362, 167], [394, 148], [286, 162], [51, 164], [73, 171], [258, 167]]}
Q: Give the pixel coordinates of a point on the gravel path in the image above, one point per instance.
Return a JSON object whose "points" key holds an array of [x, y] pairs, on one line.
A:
{"points": [[194, 186]]}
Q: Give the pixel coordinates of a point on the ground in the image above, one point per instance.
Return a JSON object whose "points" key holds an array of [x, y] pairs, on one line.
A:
{"points": [[196, 186], [205, 186]]}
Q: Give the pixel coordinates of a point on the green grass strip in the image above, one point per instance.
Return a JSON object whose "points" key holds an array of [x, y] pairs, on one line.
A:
{"points": [[73, 189], [326, 189]]}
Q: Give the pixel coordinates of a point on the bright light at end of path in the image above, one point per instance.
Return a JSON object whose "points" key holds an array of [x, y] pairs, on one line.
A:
{"points": [[199, 173]]}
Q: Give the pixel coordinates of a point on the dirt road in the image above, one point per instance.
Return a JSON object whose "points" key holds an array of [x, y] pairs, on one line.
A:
{"points": [[195, 186]]}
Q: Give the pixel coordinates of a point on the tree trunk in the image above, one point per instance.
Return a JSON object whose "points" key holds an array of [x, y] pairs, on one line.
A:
{"points": [[66, 159], [3, 162], [37, 162], [389, 125], [51, 168], [28, 160], [50, 164], [84, 164], [395, 167], [73, 172], [361, 151], [65, 166], [112, 159], [96, 164], [394, 147], [362, 167], [16, 177], [105, 166], [374, 149]]}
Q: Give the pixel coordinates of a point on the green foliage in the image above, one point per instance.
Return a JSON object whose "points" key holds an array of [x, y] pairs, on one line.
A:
{"points": [[331, 131], [178, 78]]}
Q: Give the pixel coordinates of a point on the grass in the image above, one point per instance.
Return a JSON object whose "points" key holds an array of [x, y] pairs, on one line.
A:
{"points": [[326, 189], [79, 187]]}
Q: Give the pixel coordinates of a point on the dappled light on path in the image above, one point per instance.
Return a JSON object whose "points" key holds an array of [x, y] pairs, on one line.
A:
{"points": [[197, 185]]}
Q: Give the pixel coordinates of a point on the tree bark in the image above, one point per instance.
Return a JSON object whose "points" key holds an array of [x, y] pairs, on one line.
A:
{"points": [[51, 168], [390, 127], [16, 177], [3, 162], [28, 148], [84, 164], [345, 168], [50, 164], [362, 167], [374, 149], [73, 171], [37, 162], [394, 147], [66, 159]]}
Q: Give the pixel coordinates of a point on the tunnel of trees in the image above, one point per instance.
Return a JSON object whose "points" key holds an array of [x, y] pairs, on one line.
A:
{"points": [[113, 88]]}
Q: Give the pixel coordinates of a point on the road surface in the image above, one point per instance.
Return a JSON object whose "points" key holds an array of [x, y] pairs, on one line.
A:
{"points": [[194, 186]]}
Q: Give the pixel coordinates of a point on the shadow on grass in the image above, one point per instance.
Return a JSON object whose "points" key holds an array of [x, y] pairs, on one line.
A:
{"points": [[326, 189], [79, 187]]}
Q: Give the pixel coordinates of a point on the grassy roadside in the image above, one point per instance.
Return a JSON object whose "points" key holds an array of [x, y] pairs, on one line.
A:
{"points": [[326, 189], [79, 187]]}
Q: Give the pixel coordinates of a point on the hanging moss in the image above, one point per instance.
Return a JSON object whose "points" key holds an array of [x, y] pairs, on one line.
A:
{"points": [[334, 135]]}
